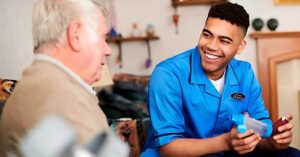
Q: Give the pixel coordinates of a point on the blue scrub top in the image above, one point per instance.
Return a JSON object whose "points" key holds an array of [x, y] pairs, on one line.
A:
{"points": [[183, 103]]}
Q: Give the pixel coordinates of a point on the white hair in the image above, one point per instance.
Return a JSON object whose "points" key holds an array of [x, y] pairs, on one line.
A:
{"points": [[52, 17]]}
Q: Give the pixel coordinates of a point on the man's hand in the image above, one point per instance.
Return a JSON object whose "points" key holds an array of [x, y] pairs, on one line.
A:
{"points": [[244, 143], [283, 139]]}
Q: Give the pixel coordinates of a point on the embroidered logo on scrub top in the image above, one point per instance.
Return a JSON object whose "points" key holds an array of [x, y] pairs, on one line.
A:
{"points": [[238, 96]]}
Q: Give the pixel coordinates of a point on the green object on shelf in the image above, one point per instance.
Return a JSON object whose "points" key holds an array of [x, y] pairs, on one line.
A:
{"points": [[272, 24], [257, 24]]}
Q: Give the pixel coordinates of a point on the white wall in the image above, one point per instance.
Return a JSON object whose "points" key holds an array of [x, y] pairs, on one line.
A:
{"points": [[159, 12], [15, 37], [16, 42]]}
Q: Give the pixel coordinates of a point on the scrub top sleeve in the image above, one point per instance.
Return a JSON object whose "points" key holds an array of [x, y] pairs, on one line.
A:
{"points": [[165, 106], [256, 107]]}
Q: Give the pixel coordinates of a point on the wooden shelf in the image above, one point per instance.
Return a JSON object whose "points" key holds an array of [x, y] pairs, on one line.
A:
{"points": [[119, 40], [176, 3], [124, 39], [257, 35]]}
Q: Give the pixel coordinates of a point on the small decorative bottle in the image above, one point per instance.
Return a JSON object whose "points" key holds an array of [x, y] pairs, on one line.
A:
{"points": [[135, 32], [150, 31]]}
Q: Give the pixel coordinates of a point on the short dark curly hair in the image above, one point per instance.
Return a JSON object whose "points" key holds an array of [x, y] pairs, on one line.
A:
{"points": [[231, 12]]}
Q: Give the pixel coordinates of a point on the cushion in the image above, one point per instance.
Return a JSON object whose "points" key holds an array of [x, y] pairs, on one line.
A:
{"points": [[132, 131], [6, 88]]}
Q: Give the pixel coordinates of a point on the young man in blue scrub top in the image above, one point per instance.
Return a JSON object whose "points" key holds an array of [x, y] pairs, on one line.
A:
{"points": [[192, 96]]}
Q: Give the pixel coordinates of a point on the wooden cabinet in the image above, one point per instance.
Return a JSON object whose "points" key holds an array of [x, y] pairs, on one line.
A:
{"points": [[274, 48]]}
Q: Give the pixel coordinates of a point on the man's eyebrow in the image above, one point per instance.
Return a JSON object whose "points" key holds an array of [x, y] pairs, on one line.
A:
{"points": [[222, 36], [207, 31]]}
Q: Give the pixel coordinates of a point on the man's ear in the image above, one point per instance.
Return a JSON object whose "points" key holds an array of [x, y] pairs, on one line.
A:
{"points": [[73, 34], [241, 46]]}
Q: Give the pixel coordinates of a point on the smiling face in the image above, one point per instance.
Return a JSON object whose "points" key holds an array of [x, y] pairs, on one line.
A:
{"points": [[219, 42]]}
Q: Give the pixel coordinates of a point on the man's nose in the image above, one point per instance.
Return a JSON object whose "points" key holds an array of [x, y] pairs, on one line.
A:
{"points": [[213, 44], [107, 51]]}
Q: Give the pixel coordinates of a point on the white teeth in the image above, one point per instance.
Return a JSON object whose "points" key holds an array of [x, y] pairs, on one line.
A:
{"points": [[210, 56]]}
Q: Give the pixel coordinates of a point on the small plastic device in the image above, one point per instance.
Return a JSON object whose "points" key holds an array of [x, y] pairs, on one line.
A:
{"points": [[244, 123], [281, 121]]}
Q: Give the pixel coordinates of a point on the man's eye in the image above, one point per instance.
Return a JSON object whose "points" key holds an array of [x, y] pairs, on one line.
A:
{"points": [[205, 35], [225, 42]]}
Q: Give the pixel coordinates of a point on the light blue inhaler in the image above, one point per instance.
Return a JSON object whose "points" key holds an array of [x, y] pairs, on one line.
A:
{"points": [[244, 123]]}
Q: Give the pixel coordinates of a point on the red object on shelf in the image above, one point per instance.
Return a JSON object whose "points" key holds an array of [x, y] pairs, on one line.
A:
{"points": [[175, 21]]}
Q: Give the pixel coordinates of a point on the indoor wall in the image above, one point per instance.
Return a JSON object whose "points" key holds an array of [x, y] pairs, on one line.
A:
{"points": [[16, 42]]}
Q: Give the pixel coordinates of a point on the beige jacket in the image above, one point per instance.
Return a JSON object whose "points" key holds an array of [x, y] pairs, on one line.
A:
{"points": [[45, 88]]}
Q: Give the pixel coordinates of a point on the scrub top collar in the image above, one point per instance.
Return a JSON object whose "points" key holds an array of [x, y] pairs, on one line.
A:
{"points": [[198, 75], [230, 77]]}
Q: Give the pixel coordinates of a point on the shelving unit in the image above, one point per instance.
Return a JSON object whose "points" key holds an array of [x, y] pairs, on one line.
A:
{"points": [[259, 35], [125, 39], [120, 40], [176, 3]]}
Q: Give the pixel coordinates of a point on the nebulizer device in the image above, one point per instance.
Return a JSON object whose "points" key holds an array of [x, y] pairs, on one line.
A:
{"points": [[244, 123], [53, 136]]}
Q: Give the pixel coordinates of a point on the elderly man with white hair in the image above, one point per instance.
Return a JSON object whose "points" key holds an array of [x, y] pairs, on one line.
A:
{"points": [[70, 52]]}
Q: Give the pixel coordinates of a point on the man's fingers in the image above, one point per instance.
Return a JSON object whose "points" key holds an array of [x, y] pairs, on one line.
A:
{"points": [[246, 144], [283, 135], [284, 141], [248, 147], [246, 134], [247, 140], [288, 126], [289, 116]]}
